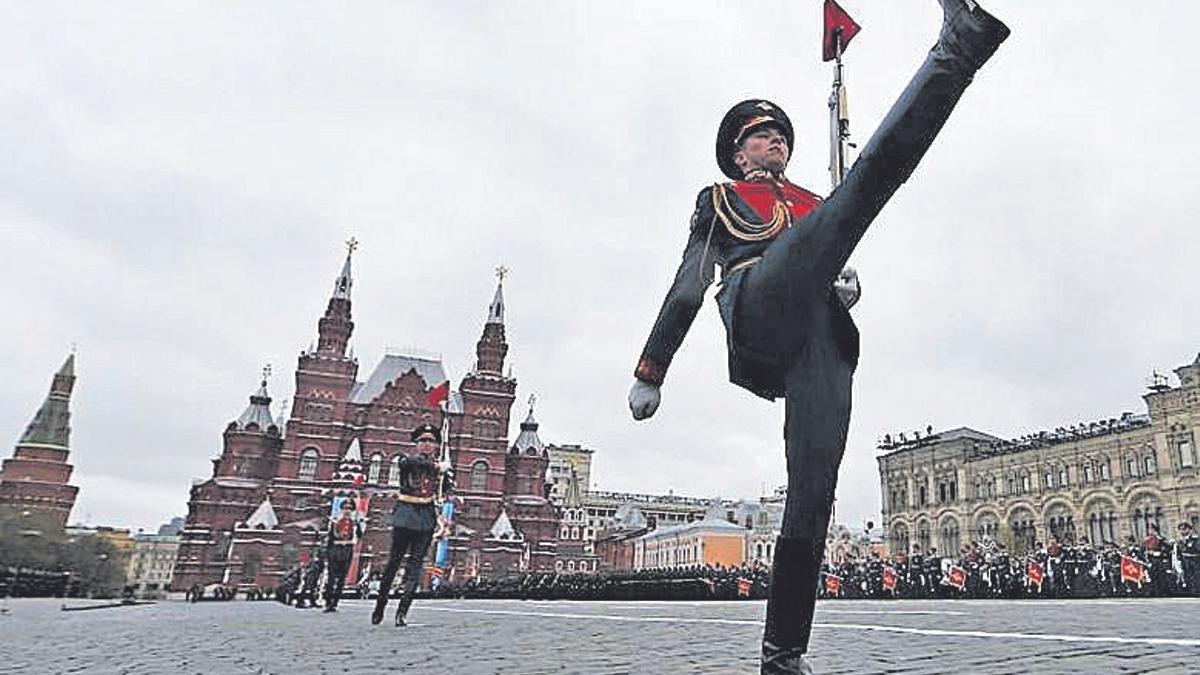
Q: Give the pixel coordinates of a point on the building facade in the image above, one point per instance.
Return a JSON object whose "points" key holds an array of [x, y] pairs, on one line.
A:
{"points": [[36, 478], [1107, 480], [712, 540], [265, 505], [151, 564]]}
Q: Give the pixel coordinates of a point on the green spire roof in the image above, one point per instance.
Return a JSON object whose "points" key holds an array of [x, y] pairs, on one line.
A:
{"points": [[52, 424]]}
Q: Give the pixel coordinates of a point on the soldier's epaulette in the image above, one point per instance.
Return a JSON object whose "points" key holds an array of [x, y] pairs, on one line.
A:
{"points": [[741, 227]]}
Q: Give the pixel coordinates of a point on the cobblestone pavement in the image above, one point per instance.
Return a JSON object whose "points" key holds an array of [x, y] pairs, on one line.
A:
{"points": [[532, 638]]}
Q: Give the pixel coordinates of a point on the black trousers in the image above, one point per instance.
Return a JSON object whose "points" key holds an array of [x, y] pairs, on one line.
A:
{"points": [[783, 301], [339, 556], [408, 547]]}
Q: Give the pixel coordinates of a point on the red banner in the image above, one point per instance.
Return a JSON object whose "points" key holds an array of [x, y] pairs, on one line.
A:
{"points": [[957, 577], [1132, 570], [1034, 573], [839, 26], [833, 583], [439, 394], [743, 587], [889, 579]]}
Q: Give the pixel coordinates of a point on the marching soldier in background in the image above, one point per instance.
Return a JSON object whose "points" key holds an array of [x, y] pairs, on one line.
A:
{"points": [[341, 536], [781, 250], [1188, 546], [413, 521], [307, 598], [1157, 553]]}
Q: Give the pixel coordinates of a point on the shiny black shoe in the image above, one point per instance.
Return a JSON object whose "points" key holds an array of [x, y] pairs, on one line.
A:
{"points": [[330, 609], [970, 31], [377, 616], [777, 661], [400, 622]]}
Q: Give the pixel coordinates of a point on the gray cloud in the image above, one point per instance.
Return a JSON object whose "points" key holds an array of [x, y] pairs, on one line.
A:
{"points": [[178, 181]]}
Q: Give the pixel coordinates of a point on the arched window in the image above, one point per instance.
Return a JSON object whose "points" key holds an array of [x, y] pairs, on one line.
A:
{"points": [[1064, 479], [479, 471], [375, 467], [564, 533], [949, 538], [1088, 474], [1024, 482], [394, 472], [1049, 479], [1105, 472], [1131, 467], [1151, 465], [308, 464]]}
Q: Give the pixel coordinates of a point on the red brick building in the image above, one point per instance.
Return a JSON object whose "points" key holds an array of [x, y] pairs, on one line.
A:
{"points": [[35, 478], [270, 491]]}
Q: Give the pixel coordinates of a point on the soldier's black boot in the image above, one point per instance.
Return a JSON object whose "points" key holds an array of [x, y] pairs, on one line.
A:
{"points": [[970, 31], [402, 606], [790, 606], [380, 605]]}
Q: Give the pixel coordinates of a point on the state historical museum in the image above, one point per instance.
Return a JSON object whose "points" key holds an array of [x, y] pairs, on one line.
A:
{"points": [[266, 504]]}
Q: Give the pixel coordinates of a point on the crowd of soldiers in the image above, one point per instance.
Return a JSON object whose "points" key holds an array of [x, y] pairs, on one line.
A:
{"points": [[27, 582], [695, 582], [1154, 567]]}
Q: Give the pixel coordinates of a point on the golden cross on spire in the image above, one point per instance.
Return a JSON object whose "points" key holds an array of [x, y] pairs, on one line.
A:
{"points": [[351, 245], [532, 400], [501, 272], [266, 371]]}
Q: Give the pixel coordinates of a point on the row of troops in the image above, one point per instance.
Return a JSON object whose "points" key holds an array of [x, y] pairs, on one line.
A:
{"points": [[696, 582], [1154, 567], [28, 582]]}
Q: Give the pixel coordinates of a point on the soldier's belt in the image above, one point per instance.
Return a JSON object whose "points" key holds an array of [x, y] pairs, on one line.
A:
{"points": [[412, 499], [740, 265]]}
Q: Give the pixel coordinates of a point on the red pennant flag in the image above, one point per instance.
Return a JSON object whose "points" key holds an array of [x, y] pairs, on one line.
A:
{"points": [[957, 577], [743, 587], [837, 23], [1034, 573], [833, 583], [1132, 570], [889, 579], [439, 394]]}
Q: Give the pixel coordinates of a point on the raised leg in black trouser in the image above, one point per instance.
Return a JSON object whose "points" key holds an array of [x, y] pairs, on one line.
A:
{"points": [[409, 547], [784, 303], [339, 563]]}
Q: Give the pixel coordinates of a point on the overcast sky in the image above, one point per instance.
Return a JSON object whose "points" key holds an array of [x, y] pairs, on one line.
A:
{"points": [[176, 182]]}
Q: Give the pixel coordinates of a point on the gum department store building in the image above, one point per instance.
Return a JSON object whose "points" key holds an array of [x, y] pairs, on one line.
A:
{"points": [[1100, 481]]}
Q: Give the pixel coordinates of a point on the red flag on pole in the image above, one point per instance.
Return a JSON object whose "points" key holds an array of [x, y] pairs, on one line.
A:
{"points": [[889, 579], [839, 29], [1132, 570], [439, 394], [743, 587], [833, 583], [1034, 573]]}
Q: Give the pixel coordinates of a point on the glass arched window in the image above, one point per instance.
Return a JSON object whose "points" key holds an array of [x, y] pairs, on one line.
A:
{"points": [[479, 472], [1049, 479], [1088, 473], [1104, 470], [308, 464], [393, 478], [1064, 479], [374, 469], [1151, 464]]}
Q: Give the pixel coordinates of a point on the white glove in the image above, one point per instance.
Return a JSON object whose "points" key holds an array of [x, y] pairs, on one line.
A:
{"points": [[643, 399], [847, 287]]}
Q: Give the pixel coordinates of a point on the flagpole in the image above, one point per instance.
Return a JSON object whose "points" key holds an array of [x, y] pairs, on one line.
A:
{"points": [[839, 121]]}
